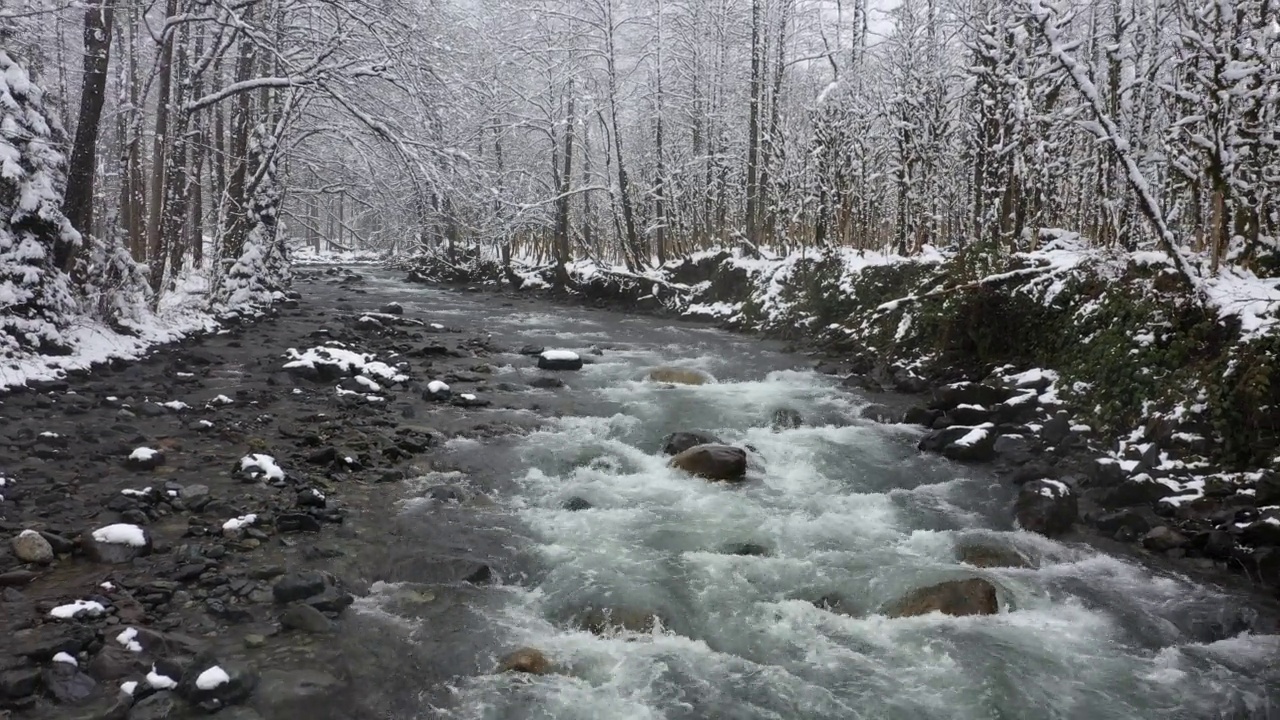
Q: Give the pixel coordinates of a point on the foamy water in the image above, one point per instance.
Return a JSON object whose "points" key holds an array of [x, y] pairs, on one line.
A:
{"points": [[845, 508]]}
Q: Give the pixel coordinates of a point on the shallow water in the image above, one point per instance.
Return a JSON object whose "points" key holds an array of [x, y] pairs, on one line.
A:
{"points": [[845, 507]]}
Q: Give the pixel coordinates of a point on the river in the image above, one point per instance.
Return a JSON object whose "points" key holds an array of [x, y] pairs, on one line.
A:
{"points": [[841, 508]]}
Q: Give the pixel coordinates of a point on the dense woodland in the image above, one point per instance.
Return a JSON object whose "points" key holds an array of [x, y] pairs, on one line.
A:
{"points": [[216, 134]]}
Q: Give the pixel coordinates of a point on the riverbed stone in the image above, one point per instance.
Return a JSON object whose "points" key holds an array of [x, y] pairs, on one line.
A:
{"points": [[678, 442], [955, 597], [525, 660], [678, 376], [1047, 507], [30, 547], [786, 419], [550, 360], [713, 462], [305, 618], [1163, 538], [989, 555]]}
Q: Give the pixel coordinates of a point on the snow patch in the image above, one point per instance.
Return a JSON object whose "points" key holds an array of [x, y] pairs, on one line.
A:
{"points": [[121, 534]]}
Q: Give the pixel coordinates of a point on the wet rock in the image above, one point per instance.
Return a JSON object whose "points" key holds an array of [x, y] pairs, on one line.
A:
{"points": [[907, 382], [144, 459], [1261, 532], [297, 693], [331, 600], [1267, 489], [559, 360], [986, 555], [1013, 449], [393, 308], [17, 578], [66, 684], [922, 416], [1131, 521], [546, 382], [113, 662], [747, 549], [30, 547], [311, 498], [1057, 428], [678, 442], [949, 397], [1163, 538], [212, 685], [1047, 507], [965, 444], [678, 376], [525, 660], [299, 586], [713, 462], [786, 419], [41, 643], [862, 382], [1106, 473], [605, 621], [532, 350], [576, 503], [969, 415], [60, 544], [305, 618], [297, 522], [1137, 490], [880, 414], [163, 705], [955, 597], [195, 496], [19, 682]]}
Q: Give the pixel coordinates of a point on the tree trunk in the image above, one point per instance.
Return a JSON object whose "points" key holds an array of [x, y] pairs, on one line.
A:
{"points": [[155, 234], [77, 205], [753, 125]]}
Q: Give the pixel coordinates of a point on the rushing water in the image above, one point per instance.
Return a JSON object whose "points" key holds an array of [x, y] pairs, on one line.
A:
{"points": [[844, 507]]}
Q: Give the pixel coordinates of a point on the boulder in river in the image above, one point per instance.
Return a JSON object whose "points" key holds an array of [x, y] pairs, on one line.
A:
{"points": [[525, 660], [958, 442], [679, 376], [988, 555], [678, 442], [559, 360], [786, 419], [602, 621], [30, 546], [713, 462], [117, 544], [954, 597], [1047, 507]]}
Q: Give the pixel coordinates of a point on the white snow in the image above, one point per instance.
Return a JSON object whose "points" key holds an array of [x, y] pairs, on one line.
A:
{"points": [[222, 400], [373, 386], [975, 435], [143, 454], [205, 424], [136, 493], [121, 534], [160, 682], [1056, 488], [65, 658], [106, 586], [344, 359], [128, 687], [468, 396], [437, 326], [175, 405], [264, 465], [560, 355], [128, 638], [71, 610], [239, 522], [212, 678], [437, 387]]}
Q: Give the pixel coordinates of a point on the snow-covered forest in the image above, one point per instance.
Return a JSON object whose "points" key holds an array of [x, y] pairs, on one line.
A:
{"points": [[142, 140]]}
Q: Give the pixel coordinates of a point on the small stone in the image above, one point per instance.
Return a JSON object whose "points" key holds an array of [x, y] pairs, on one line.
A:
{"points": [[253, 641], [525, 660], [299, 586], [306, 619], [30, 547]]}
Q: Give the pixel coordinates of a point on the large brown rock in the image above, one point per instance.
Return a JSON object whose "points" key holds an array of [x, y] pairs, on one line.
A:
{"points": [[987, 556], [525, 660], [954, 597], [679, 376], [678, 442], [713, 462]]}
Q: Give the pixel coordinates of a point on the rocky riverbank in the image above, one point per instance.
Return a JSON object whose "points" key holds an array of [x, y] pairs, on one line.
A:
{"points": [[1118, 403], [185, 534]]}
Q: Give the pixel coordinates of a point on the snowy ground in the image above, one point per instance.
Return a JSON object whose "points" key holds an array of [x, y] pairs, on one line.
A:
{"points": [[181, 312], [311, 256]]}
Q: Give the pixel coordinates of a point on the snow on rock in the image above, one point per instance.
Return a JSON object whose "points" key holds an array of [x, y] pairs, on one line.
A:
{"points": [[63, 657], [222, 400], [145, 458], [437, 386], [159, 681], [324, 363], [121, 534], [974, 436], [175, 405], [143, 453], [128, 638], [212, 678], [129, 687], [257, 466], [368, 383], [92, 608], [559, 360], [238, 523]]}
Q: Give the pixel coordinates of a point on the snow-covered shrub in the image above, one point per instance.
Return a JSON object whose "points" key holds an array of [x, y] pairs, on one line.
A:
{"points": [[262, 269], [36, 239]]}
